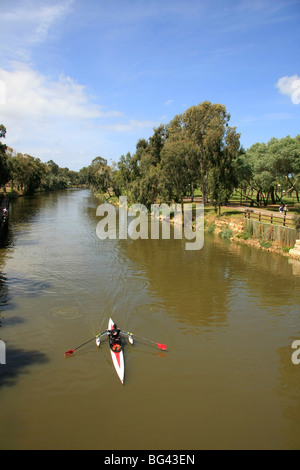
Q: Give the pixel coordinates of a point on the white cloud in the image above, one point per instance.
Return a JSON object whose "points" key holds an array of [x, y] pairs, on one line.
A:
{"points": [[33, 20], [25, 24], [50, 118], [290, 86], [132, 125], [167, 103], [30, 94], [57, 118]]}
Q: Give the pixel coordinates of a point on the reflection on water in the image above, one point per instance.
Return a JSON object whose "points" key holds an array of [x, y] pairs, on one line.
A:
{"points": [[228, 314]]}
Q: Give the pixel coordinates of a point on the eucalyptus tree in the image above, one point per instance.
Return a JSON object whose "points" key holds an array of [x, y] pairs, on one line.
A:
{"points": [[225, 173], [275, 165], [28, 172], [125, 173], [204, 125], [99, 175], [146, 185], [178, 164], [284, 155], [213, 147]]}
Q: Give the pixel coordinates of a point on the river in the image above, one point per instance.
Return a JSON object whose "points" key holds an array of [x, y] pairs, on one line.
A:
{"points": [[228, 314]]}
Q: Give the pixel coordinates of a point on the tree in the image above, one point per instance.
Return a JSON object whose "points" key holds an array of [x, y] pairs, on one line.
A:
{"points": [[156, 144], [54, 168], [224, 173], [175, 168], [145, 190], [125, 171], [205, 126], [4, 164], [213, 148], [178, 137], [285, 157], [146, 169], [28, 171], [99, 174], [275, 164]]}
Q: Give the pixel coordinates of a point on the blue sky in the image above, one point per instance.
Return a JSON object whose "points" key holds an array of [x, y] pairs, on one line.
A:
{"points": [[87, 78]]}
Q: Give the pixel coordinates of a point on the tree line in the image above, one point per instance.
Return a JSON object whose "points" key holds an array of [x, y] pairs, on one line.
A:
{"points": [[28, 174], [200, 150], [196, 150]]}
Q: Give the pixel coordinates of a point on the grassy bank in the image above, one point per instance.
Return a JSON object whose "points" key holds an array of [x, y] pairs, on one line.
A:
{"points": [[232, 225]]}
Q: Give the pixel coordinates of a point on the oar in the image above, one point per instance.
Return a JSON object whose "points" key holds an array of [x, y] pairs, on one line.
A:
{"points": [[68, 353], [159, 345]]}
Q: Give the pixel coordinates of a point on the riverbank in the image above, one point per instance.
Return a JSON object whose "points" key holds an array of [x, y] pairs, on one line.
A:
{"points": [[16, 193], [233, 226], [4, 208]]}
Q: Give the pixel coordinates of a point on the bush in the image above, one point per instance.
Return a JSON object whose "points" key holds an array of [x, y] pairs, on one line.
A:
{"points": [[211, 228], [226, 234], [265, 244], [243, 236]]}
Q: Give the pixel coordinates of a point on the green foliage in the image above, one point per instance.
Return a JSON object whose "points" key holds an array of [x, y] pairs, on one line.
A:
{"points": [[226, 233], [197, 148], [99, 174], [28, 172], [265, 244], [275, 168], [30, 175], [196, 151], [211, 228], [4, 164]]}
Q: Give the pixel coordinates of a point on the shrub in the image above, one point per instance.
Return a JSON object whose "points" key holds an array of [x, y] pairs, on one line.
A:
{"points": [[211, 228], [264, 244], [227, 233]]}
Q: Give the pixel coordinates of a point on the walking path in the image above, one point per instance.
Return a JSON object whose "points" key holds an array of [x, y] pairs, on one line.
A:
{"points": [[273, 210]]}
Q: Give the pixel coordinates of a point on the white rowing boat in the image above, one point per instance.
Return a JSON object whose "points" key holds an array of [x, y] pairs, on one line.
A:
{"points": [[117, 355]]}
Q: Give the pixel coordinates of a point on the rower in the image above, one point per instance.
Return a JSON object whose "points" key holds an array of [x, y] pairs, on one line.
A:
{"points": [[114, 338], [114, 334]]}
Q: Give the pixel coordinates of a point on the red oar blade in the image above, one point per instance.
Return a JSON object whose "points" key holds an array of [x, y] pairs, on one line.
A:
{"points": [[68, 353], [161, 346]]}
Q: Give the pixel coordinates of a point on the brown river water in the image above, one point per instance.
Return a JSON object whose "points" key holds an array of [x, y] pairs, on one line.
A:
{"points": [[228, 314]]}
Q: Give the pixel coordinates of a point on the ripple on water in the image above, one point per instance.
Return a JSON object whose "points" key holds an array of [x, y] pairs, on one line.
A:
{"points": [[68, 313]]}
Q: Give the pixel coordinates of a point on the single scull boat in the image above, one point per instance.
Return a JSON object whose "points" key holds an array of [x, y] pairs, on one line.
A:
{"points": [[116, 348], [116, 351]]}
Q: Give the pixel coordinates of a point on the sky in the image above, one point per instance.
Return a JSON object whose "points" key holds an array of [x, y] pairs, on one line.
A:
{"points": [[87, 78]]}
